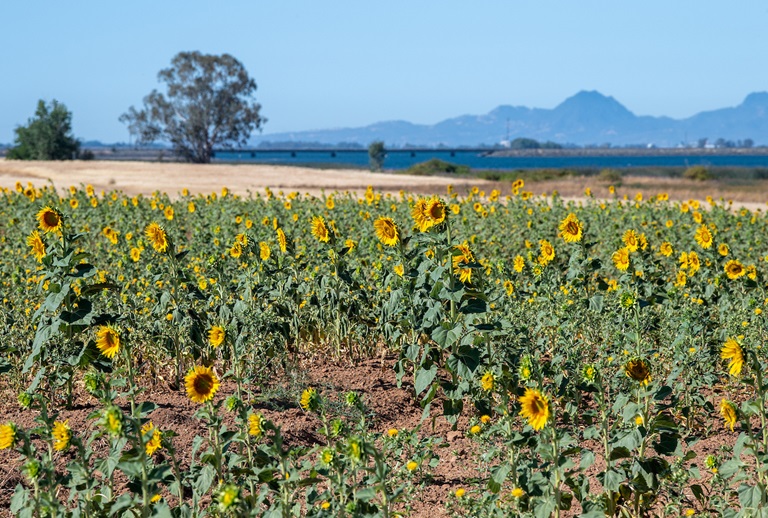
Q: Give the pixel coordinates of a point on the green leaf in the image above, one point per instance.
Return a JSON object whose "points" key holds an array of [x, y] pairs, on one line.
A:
{"points": [[424, 378], [612, 479], [205, 479], [750, 496], [596, 303]]}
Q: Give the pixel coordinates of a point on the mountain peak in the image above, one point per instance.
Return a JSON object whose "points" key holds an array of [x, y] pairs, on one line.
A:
{"points": [[756, 99]]}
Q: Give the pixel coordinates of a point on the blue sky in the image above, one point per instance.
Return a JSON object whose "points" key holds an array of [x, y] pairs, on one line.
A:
{"points": [[325, 64]]}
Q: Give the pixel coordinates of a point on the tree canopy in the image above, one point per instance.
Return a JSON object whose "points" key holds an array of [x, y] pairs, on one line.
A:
{"points": [[209, 103], [47, 135]]}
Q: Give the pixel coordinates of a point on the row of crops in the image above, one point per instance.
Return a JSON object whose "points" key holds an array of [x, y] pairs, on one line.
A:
{"points": [[593, 346]]}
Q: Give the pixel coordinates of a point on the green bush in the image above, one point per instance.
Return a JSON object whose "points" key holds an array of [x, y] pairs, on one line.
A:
{"points": [[697, 172], [47, 136], [437, 166]]}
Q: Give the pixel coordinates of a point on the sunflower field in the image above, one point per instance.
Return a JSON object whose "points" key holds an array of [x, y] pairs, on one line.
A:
{"points": [[602, 357]]}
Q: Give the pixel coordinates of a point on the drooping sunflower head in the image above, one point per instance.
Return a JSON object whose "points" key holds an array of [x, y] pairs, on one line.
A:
{"points": [[535, 408], [729, 413], [419, 215], [281, 240], [387, 231], [310, 400], [734, 269], [108, 341], [202, 384], [320, 230], [732, 351], [216, 336], [157, 237], [35, 242], [638, 370], [49, 219], [571, 229], [62, 435], [255, 425], [462, 256], [155, 440], [7, 436]]}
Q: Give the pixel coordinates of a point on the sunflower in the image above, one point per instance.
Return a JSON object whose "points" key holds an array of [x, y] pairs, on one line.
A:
{"points": [[732, 351], [108, 341], [155, 441], [703, 237], [722, 249], [734, 269], [329, 203], [242, 239], [729, 412], [157, 236], [487, 381], [387, 231], [319, 230], [519, 263], [621, 259], [638, 370], [62, 435], [693, 263], [571, 229], [264, 251], [135, 254], [49, 219], [463, 256], [436, 211], [35, 242], [73, 203], [631, 240], [310, 400], [350, 245], [216, 336], [113, 420], [237, 250], [535, 408], [666, 249], [256, 422], [509, 287], [201, 383], [168, 213], [399, 270], [419, 215], [281, 240], [546, 252], [7, 436]]}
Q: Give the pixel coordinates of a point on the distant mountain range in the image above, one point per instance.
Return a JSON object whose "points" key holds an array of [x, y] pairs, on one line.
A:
{"points": [[587, 118]]}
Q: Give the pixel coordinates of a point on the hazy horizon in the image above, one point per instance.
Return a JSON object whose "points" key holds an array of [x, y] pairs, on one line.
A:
{"points": [[347, 64]]}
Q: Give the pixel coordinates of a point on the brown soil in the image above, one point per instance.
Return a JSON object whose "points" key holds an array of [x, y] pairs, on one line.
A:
{"points": [[391, 407]]}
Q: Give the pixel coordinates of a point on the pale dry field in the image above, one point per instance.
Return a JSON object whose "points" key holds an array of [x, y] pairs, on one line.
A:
{"points": [[171, 177]]}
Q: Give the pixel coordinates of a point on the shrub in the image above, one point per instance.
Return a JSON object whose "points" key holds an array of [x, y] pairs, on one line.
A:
{"points": [[437, 166], [697, 172]]}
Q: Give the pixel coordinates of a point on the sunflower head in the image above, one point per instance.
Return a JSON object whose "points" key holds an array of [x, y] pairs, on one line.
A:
{"points": [[733, 352], [255, 425], [62, 435], [487, 381], [535, 408], [310, 400], [264, 251], [282, 242], [571, 229], [734, 269], [155, 438], [202, 384], [638, 370], [703, 237], [49, 219], [621, 259], [216, 336], [108, 341], [7, 436], [157, 237], [35, 242], [320, 230], [387, 231], [729, 413], [546, 252]]}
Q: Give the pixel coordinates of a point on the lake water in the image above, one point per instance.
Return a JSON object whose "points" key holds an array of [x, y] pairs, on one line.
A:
{"points": [[402, 159]]}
